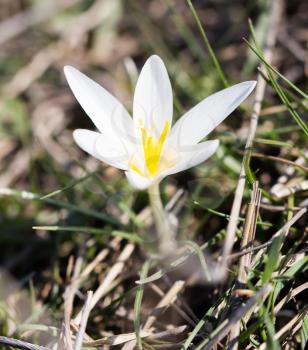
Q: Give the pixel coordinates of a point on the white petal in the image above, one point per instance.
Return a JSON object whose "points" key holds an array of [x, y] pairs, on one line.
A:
{"points": [[153, 102], [137, 181], [206, 115], [191, 156], [102, 148], [106, 112]]}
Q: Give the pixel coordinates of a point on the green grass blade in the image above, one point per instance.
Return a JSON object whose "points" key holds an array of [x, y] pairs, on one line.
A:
{"points": [[133, 237], [172, 266], [198, 327], [30, 196], [249, 174], [304, 333], [138, 301], [208, 44], [270, 341], [273, 142], [69, 186], [283, 97], [186, 32], [272, 69], [201, 257], [181, 260], [227, 216], [288, 104], [300, 265], [273, 259]]}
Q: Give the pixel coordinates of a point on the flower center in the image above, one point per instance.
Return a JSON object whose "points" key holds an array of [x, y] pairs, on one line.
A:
{"points": [[152, 150]]}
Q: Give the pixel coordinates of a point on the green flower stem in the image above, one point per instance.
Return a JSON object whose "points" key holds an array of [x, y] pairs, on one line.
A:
{"points": [[165, 230]]}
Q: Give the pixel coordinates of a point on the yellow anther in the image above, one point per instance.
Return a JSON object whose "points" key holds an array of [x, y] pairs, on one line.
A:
{"points": [[136, 169], [152, 150]]}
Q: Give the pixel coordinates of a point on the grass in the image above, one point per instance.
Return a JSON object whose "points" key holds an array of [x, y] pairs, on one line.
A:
{"points": [[70, 224]]}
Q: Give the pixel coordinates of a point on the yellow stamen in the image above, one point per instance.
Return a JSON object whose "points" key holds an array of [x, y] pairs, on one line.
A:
{"points": [[152, 150], [135, 168]]}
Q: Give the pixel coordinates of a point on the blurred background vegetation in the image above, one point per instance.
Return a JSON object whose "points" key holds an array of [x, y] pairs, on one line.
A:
{"points": [[46, 180]]}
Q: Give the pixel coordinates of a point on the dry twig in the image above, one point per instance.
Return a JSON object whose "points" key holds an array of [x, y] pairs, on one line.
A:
{"points": [[238, 314], [278, 159], [65, 340], [292, 293], [112, 274], [244, 264], [83, 323], [167, 300], [19, 344], [288, 327], [283, 230], [275, 16]]}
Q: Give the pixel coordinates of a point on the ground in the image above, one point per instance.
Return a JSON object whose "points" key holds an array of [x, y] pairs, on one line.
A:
{"points": [[70, 224]]}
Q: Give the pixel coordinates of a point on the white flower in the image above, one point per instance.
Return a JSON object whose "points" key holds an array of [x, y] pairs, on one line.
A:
{"points": [[145, 146]]}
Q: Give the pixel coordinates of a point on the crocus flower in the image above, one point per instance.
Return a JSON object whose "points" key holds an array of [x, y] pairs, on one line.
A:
{"points": [[146, 147]]}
